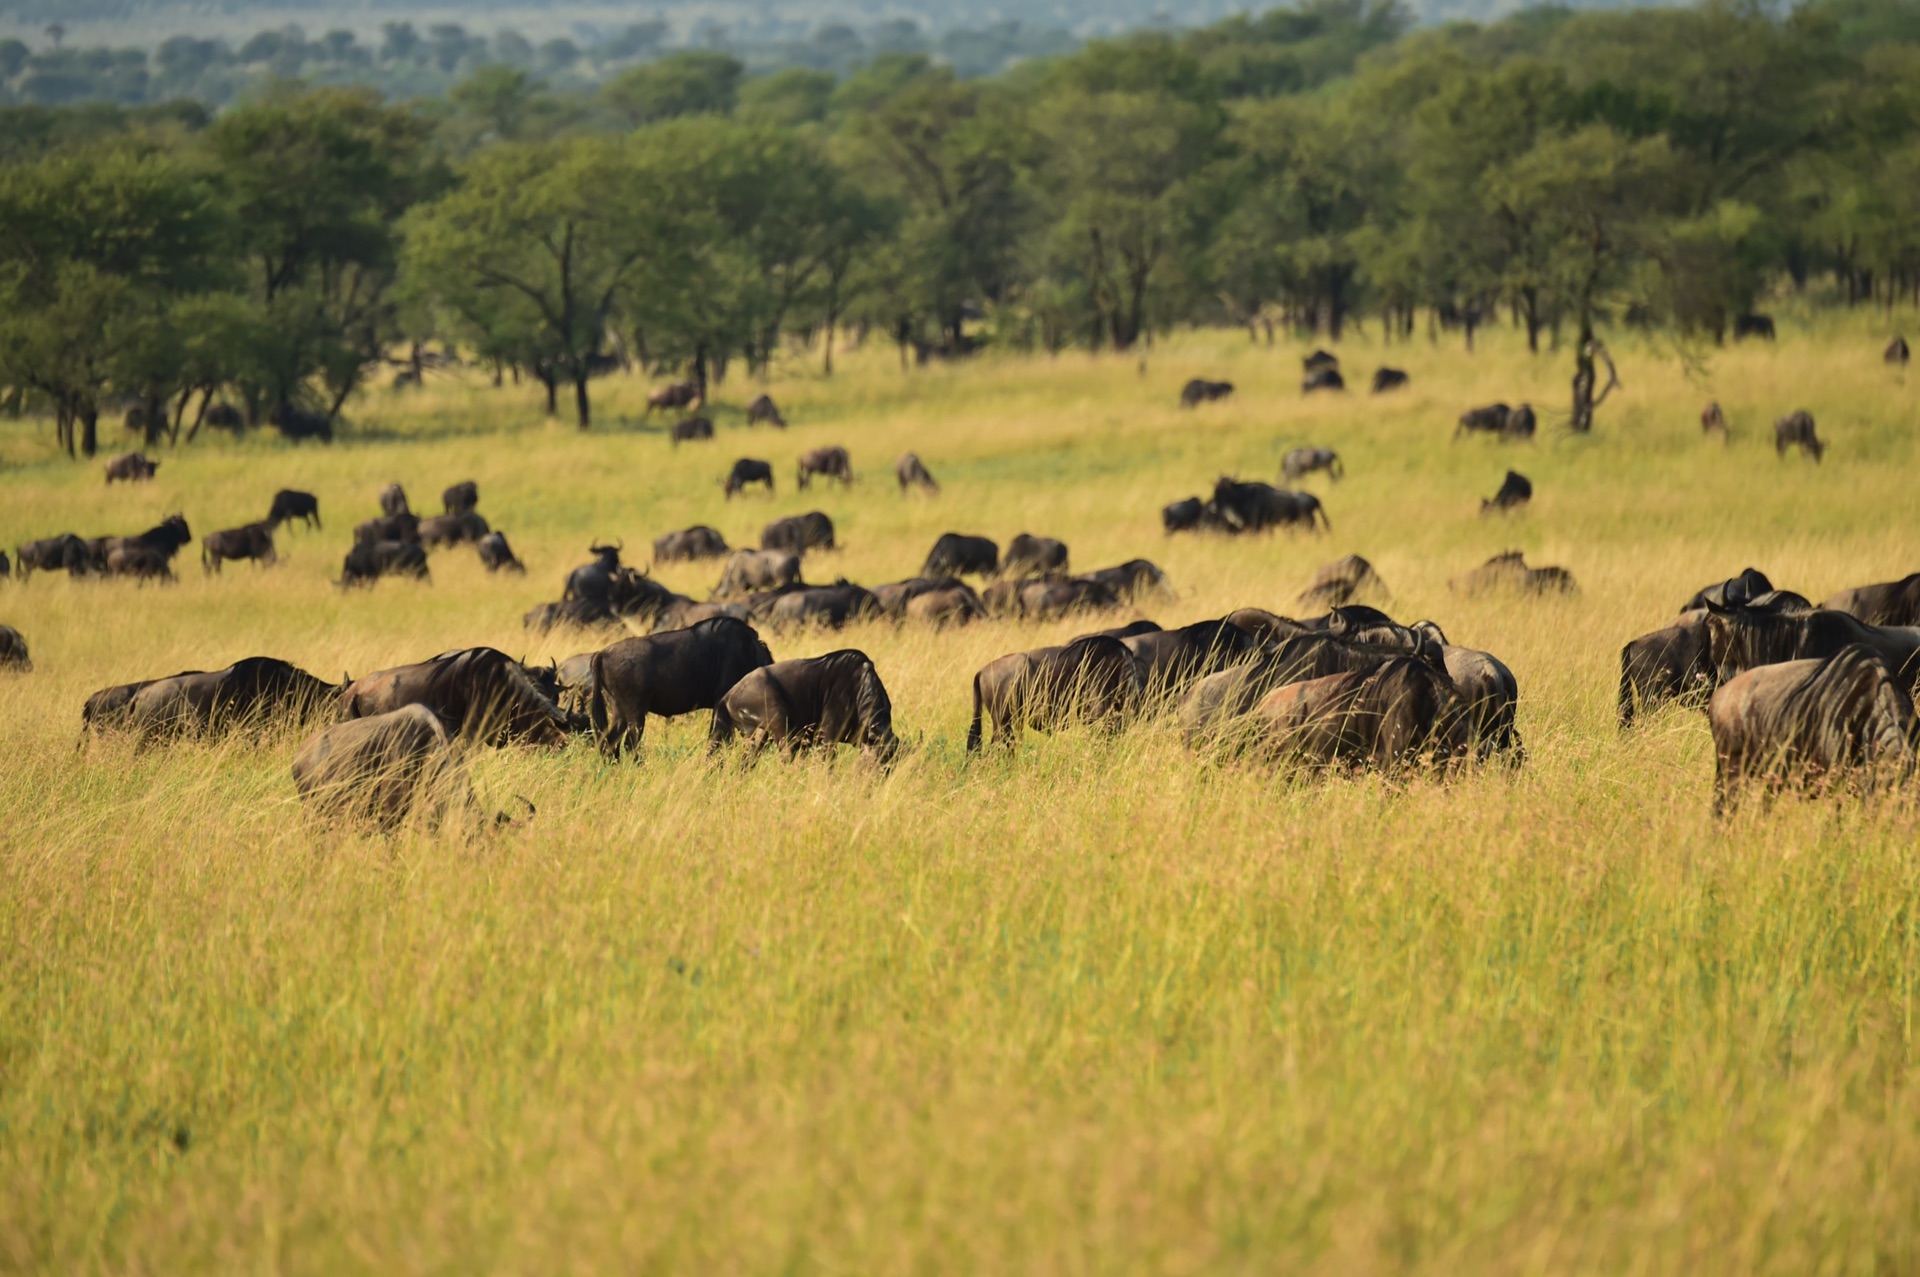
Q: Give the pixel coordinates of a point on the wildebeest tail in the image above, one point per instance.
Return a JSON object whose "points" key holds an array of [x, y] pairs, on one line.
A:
{"points": [[973, 732], [597, 703]]}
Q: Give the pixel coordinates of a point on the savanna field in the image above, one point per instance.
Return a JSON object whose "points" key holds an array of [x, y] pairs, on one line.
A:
{"points": [[1099, 1005]]}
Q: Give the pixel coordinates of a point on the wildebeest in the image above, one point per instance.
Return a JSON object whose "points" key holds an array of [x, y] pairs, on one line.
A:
{"points": [[147, 555], [1795, 430], [1093, 679], [750, 570], [691, 429], [1171, 660], [65, 552], [1509, 571], [1029, 555], [949, 603], [956, 554], [1047, 598], [668, 674], [1713, 421], [1888, 603], [6, 566], [368, 561], [1213, 707], [677, 394], [1199, 391], [1489, 695], [382, 770], [747, 470], [1385, 379], [393, 501], [461, 497], [1130, 579], [1323, 379], [295, 424], [132, 467], [1397, 714], [911, 472], [1255, 507], [224, 416], [478, 693], [251, 694], [13, 651], [1341, 582], [1812, 724], [1898, 352], [1183, 515], [1753, 325], [1515, 491], [1667, 665], [1740, 639], [497, 555], [1318, 360], [1304, 461], [1491, 419], [829, 606], [388, 527], [762, 411], [593, 581], [690, 545], [251, 541], [106, 709], [290, 504], [452, 529], [828, 463], [1520, 423], [893, 597], [799, 533], [1735, 591], [816, 703]]}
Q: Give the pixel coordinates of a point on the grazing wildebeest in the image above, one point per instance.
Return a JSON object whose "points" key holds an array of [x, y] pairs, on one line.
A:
{"points": [[667, 674], [1740, 639], [6, 566], [1667, 665], [1489, 695], [1491, 419], [956, 554], [478, 693], [1888, 603], [1520, 423], [1753, 325], [817, 703], [1172, 660], [137, 556], [461, 497], [1509, 571], [1397, 714], [388, 527], [382, 770], [1812, 724], [1341, 582], [762, 411], [912, 472], [290, 504], [570, 614], [1047, 598], [250, 541], [1093, 679], [1898, 352], [106, 709], [691, 430], [1183, 515], [828, 606], [1301, 462], [682, 613], [1795, 430], [1199, 391], [1713, 421], [224, 416], [799, 533], [893, 597], [251, 694], [1255, 507], [132, 468], [1130, 579], [13, 651], [65, 552], [1324, 379], [1318, 360], [1515, 491], [368, 561], [1029, 555], [828, 463], [750, 570], [676, 394], [1385, 379], [393, 501], [574, 678], [497, 555], [1215, 706], [593, 581], [747, 470], [452, 529], [295, 424], [690, 545], [953, 603], [1261, 623], [1735, 591]]}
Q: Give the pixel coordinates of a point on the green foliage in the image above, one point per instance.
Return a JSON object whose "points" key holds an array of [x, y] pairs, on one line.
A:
{"points": [[696, 82]]}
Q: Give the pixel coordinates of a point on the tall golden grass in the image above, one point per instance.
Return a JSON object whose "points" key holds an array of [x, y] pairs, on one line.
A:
{"points": [[1095, 1006]]}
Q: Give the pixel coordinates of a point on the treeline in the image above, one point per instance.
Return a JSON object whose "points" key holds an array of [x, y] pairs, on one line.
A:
{"points": [[1306, 169]]}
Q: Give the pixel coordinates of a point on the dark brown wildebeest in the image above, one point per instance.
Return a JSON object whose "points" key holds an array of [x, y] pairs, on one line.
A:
{"points": [[583, 614], [1324, 379], [1093, 679], [106, 709], [148, 556], [1183, 515], [393, 501], [1214, 708], [1888, 603], [750, 570], [1491, 419], [496, 555], [1319, 360], [1029, 555], [592, 582], [368, 561], [676, 394], [66, 552], [1740, 639], [382, 770], [388, 527], [893, 597], [1735, 591], [1301, 462], [1173, 660], [1795, 430], [1256, 507], [747, 470], [1123, 632], [1812, 724], [290, 504], [690, 545], [248, 695], [1520, 423], [667, 674], [817, 703], [1898, 352], [1047, 598], [252, 541], [295, 424], [13, 651], [1263, 624], [682, 613], [461, 498], [132, 468], [828, 463], [912, 472], [1667, 665], [956, 554], [1341, 582], [1753, 325], [1713, 421], [1400, 713], [452, 529], [1489, 695], [6, 566], [1515, 491], [1509, 571], [1199, 391], [763, 412], [224, 416], [478, 693], [954, 603], [826, 606], [1130, 579], [574, 678], [691, 429], [799, 533], [1385, 379]]}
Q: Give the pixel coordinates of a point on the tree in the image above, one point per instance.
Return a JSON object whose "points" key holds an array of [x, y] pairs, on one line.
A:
{"points": [[694, 82]]}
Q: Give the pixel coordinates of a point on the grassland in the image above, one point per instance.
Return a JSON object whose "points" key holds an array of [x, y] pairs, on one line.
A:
{"points": [[1096, 1007]]}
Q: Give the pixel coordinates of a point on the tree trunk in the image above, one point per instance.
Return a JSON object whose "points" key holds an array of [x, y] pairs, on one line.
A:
{"points": [[826, 364], [548, 381], [700, 372], [89, 429], [582, 409], [1529, 308]]}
